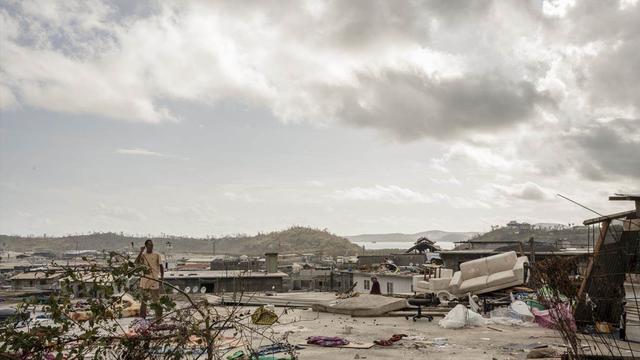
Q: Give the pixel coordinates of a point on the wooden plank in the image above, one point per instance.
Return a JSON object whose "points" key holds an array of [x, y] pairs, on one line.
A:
{"points": [[596, 251], [608, 217], [405, 314], [629, 197]]}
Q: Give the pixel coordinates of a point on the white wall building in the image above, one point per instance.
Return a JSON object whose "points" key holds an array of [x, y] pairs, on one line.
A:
{"points": [[389, 283]]}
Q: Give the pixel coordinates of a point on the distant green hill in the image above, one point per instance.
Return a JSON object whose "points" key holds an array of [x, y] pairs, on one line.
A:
{"points": [[292, 240], [433, 235], [571, 237]]}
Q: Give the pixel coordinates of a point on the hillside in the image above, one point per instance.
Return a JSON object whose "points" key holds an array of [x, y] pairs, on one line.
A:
{"points": [[292, 240], [571, 237], [433, 235]]}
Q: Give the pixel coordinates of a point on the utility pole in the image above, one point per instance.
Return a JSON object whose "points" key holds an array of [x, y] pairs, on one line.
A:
{"points": [[168, 248]]}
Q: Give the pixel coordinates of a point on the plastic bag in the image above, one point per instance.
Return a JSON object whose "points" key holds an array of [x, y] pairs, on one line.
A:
{"points": [[500, 316], [519, 310], [460, 317]]}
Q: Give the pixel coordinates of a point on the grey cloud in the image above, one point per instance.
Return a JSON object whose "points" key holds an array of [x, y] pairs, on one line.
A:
{"points": [[608, 149], [528, 191], [531, 193], [612, 76], [413, 106], [363, 23], [103, 46], [439, 69], [592, 171], [344, 25]]}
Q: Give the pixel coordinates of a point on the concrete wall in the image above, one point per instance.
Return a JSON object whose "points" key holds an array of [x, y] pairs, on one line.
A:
{"points": [[220, 285], [342, 281], [38, 284], [271, 262], [311, 279]]}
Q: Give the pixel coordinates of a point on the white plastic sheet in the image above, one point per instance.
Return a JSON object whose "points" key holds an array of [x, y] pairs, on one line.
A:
{"points": [[460, 317], [520, 310], [510, 317]]}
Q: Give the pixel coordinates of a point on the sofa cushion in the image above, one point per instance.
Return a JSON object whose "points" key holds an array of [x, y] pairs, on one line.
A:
{"points": [[473, 269], [455, 282], [476, 283], [444, 273], [423, 285], [501, 262], [501, 277], [439, 284]]}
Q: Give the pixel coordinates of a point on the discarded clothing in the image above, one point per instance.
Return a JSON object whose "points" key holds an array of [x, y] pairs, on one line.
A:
{"points": [[327, 341], [140, 326], [276, 348], [547, 293], [394, 338], [240, 355], [559, 316], [80, 315], [264, 316], [534, 304]]}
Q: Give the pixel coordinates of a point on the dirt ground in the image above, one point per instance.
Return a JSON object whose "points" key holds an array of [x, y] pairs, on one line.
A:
{"points": [[513, 342], [469, 343]]}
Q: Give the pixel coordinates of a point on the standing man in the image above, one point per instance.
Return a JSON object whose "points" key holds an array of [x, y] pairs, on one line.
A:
{"points": [[150, 280], [375, 286]]}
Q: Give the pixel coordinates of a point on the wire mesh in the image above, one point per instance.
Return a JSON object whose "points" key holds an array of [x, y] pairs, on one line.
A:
{"points": [[606, 314]]}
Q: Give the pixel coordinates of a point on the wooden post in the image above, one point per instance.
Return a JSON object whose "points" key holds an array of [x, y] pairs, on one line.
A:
{"points": [[596, 251], [533, 250]]}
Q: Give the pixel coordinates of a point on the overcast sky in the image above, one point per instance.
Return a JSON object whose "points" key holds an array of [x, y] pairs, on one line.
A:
{"points": [[221, 117]]}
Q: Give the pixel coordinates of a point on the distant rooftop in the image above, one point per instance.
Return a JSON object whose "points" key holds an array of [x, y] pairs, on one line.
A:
{"points": [[377, 274], [572, 251], [220, 274], [36, 275]]}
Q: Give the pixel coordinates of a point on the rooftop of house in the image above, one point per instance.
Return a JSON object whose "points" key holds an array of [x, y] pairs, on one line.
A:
{"points": [[221, 274], [562, 252], [36, 275], [384, 274]]}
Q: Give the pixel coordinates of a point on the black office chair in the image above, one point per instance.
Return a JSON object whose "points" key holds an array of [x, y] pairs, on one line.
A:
{"points": [[426, 300]]}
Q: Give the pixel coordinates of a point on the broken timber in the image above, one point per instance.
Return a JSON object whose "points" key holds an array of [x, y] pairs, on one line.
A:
{"points": [[596, 252]]}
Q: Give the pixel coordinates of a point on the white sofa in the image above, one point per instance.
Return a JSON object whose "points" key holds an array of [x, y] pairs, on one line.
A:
{"points": [[434, 284], [489, 274]]}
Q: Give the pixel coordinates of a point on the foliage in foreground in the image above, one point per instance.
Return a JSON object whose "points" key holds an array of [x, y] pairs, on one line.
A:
{"points": [[75, 330]]}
